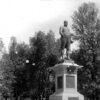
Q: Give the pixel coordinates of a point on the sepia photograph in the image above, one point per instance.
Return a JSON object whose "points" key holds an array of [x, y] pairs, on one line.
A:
{"points": [[49, 49]]}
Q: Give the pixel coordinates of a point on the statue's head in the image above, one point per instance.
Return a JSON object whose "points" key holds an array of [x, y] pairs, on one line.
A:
{"points": [[65, 23]]}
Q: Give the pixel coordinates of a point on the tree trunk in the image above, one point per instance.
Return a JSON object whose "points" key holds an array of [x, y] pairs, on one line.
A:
{"points": [[16, 98], [5, 98]]}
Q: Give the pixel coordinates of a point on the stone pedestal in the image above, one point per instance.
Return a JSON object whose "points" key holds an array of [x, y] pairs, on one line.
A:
{"points": [[66, 82]]}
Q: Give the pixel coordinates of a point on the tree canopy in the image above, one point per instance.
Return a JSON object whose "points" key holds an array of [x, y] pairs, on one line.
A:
{"points": [[86, 26]]}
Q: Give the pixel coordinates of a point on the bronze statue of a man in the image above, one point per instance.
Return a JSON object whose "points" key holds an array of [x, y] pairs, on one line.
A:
{"points": [[65, 40]]}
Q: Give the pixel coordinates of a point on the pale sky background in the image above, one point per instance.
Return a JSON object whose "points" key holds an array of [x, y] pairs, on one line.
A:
{"points": [[22, 18]]}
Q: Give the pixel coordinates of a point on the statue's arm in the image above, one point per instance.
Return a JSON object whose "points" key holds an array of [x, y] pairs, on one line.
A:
{"points": [[74, 37]]}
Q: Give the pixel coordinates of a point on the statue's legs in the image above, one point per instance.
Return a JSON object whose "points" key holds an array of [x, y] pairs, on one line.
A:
{"points": [[67, 46], [63, 53], [63, 43], [62, 47], [68, 54]]}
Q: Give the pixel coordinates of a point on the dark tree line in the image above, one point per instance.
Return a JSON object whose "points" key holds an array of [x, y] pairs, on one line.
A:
{"points": [[26, 67]]}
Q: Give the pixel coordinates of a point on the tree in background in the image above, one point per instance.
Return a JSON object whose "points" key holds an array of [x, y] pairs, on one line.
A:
{"points": [[25, 69], [38, 71], [44, 53], [18, 54], [2, 48], [20, 87], [7, 76], [53, 49], [85, 24]]}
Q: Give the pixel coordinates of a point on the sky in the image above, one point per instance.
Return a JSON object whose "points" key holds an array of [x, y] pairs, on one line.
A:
{"points": [[22, 18]]}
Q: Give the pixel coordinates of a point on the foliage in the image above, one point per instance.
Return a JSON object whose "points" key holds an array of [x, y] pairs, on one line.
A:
{"points": [[20, 72], [24, 69], [85, 25], [43, 47], [7, 77], [1, 45]]}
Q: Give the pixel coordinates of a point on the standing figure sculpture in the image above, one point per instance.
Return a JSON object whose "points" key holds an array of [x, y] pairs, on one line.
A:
{"points": [[65, 40]]}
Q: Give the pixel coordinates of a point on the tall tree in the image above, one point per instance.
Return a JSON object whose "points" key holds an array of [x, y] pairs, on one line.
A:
{"points": [[38, 72], [85, 25], [7, 76], [2, 48], [20, 87], [52, 49], [50, 38], [18, 54], [44, 50]]}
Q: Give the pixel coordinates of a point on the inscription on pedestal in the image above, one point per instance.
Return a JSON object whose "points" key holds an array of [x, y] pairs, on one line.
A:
{"points": [[70, 81], [73, 98]]}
